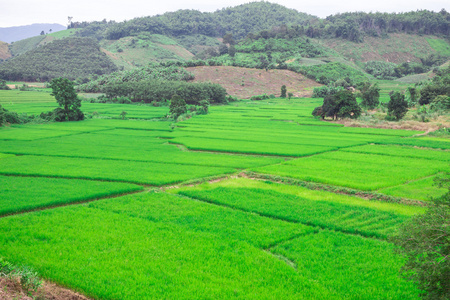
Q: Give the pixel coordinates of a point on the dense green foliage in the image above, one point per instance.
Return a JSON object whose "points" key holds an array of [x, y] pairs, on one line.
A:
{"points": [[67, 99], [381, 69], [239, 21], [150, 72], [339, 105], [70, 58], [158, 90], [177, 106], [439, 85], [327, 73], [370, 95], [397, 106], [425, 242]]}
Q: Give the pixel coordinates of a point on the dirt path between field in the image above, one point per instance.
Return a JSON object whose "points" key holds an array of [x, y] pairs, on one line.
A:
{"points": [[12, 290]]}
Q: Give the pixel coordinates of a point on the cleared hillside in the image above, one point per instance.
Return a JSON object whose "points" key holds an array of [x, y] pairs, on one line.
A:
{"points": [[396, 48], [244, 83], [4, 51]]}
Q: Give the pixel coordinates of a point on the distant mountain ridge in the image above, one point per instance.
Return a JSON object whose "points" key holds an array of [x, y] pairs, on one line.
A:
{"points": [[17, 33]]}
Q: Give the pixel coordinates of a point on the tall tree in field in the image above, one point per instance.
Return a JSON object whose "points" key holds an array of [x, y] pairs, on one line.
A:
{"points": [[67, 98], [370, 95], [425, 242], [397, 106], [283, 91]]}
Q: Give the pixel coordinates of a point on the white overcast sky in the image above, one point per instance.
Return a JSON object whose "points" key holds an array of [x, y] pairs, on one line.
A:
{"points": [[24, 12]]}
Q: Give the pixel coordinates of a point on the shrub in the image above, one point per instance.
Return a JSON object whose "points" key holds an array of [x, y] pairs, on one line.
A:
{"points": [[177, 106]]}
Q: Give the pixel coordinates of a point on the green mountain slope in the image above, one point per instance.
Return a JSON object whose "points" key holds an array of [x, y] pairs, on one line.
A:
{"points": [[70, 57]]}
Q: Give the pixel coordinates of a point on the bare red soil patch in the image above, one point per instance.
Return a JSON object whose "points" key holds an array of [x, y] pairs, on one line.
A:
{"points": [[12, 290], [244, 83]]}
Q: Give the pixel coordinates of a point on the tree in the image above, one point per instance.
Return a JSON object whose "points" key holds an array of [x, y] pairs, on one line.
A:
{"points": [[2, 115], [67, 98], [412, 94], [397, 106], [223, 49], [340, 105], [232, 51], [370, 95], [177, 106], [425, 243], [283, 91], [3, 85]]}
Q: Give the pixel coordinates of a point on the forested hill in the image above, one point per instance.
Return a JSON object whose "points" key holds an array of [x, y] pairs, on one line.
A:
{"points": [[70, 57], [240, 21], [257, 16]]}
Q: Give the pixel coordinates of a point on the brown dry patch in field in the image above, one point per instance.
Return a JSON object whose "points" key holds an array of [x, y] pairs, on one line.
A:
{"points": [[406, 125], [244, 83], [12, 290], [4, 50], [177, 50]]}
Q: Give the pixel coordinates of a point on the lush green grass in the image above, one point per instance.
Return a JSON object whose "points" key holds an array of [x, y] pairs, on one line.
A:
{"points": [[196, 216], [107, 255], [26, 193], [10, 98], [112, 170], [422, 189], [115, 144], [357, 170], [401, 151], [346, 263], [325, 214], [395, 208], [29, 134], [426, 142]]}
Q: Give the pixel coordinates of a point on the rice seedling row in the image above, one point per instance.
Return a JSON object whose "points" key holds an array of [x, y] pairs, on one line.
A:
{"points": [[27, 193], [346, 263], [357, 170], [107, 255], [325, 214], [148, 173]]}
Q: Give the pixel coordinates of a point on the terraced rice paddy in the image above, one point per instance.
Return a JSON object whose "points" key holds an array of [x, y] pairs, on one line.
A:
{"points": [[139, 209]]}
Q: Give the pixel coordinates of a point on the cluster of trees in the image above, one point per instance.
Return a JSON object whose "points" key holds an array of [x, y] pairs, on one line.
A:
{"points": [[438, 86], [343, 104], [159, 91], [377, 24], [268, 20], [70, 58], [389, 71], [152, 71], [330, 73], [239, 20]]}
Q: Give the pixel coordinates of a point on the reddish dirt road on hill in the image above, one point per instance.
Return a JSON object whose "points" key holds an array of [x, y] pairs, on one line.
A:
{"points": [[244, 83]]}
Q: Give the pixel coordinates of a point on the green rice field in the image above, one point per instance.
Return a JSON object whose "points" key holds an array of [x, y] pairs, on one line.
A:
{"points": [[145, 208]]}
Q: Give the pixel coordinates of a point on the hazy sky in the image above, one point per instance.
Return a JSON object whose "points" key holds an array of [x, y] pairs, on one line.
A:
{"points": [[24, 12]]}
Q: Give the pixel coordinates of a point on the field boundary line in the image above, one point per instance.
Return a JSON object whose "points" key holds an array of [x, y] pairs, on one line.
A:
{"points": [[369, 196], [84, 201], [338, 229]]}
